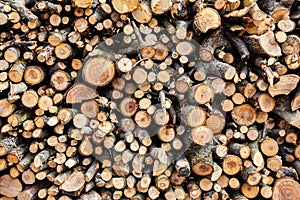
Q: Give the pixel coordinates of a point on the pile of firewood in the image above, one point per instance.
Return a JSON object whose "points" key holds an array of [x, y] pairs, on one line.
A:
{"points": [[154, 99]]}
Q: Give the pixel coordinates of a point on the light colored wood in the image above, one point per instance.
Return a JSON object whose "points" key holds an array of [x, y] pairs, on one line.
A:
{"points": [[207, 19]]}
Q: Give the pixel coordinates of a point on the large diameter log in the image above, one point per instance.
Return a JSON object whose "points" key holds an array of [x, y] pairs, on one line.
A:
{"points": [[74, 183], [142, 13], [10, 187], [98, 71], [160, 6], [207, 19], [79, 92], [125, 6], [264, 44], [285, 85], [82, 3], [286, 188], [244, 115]]}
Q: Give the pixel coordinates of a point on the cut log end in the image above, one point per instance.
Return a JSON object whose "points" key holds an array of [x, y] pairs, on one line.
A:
{"points": [[98, 71]]}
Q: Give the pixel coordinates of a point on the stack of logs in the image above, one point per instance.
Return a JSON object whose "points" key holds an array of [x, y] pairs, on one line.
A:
{"points": [[154, 99]]}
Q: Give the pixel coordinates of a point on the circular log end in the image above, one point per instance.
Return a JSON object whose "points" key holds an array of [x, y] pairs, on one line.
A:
{"points": [[98, 71]]}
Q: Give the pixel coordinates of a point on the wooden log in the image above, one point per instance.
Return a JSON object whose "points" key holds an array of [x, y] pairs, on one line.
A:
{"points": [[160, 7], [10, 187], [15, 73], [194, 190], [74, 183], [33, 75], [244, 114], [142, 13], [79, 92], [282, 109], [275, 9], [201, 160], [60, 80], [249, 191], [98, 75], [30, 193], [206, 19], [251, 175], [6, 108], [241, 150], [283, 185], [232, 164], [125, 6], [291, 45], [264, 44]]}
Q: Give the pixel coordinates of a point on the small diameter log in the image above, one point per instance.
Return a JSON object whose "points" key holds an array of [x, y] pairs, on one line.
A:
{"points": [[18, 117], [6, 108], [206, 19], [15, 73], [216, 68], [33, 75], [215, 122], [28, 177], [25, 162], [31, 192], [249, 191], [86, 147], [162, 182], [201, 160], [12, 54], [79, 92], [128, 106], [142, 119], [238, 44], [60, 80], [202, 93], [205, 184], [266, 102], [98, 75], [63, 51], [42, 157], [185, 48], [10, 187], [251, 175], [285, 188], [232, 164], [241, 150], [269, 147], [183, 167], [264, 44], [194, 190], [90, 173]]}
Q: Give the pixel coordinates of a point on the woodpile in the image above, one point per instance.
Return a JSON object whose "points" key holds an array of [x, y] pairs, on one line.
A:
{"points": [[156, 99]]}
